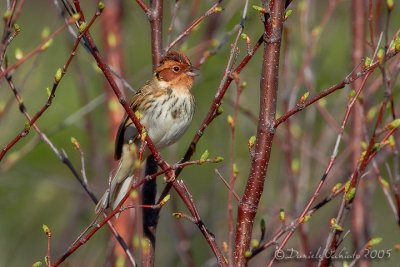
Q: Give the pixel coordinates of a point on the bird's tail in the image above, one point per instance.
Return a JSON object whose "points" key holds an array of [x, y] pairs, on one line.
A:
{"points": [[121, 181]]}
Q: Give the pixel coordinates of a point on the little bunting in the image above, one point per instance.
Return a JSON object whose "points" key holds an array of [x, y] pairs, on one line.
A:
{"points": [[166, 108]]}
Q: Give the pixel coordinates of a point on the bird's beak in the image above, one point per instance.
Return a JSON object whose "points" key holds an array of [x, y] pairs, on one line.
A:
{"points": [[192, 71]]}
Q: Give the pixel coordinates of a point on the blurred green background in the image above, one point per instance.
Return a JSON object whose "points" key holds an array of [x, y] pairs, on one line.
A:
{"points": [[37, 188]]}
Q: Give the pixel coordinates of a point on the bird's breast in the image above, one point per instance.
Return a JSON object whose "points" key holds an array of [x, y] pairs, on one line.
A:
{"points": [[168, 117]]}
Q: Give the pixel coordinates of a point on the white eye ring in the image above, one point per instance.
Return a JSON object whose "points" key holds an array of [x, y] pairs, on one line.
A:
{"points": [[176, 68]]}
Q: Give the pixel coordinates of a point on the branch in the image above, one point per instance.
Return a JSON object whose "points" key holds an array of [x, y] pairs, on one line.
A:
{"points": [[161, 162], [155, 19], [57, 79], [212, 10], [265, 131]]}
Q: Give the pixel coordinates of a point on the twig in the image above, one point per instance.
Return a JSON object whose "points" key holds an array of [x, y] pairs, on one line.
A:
{"points": [[348, 80], [40, 48], [212, 112], [212, 10], [58, 77], [227, 185]]}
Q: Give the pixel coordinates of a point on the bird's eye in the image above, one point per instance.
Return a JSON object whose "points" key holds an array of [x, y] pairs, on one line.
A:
{"points": [[176, 68]]}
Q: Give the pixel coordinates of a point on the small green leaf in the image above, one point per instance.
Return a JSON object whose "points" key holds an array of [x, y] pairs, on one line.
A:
{"points": [[231, 121], [218, 9], [254, 243], [46, 230], [367, 62], [304, 97], [112, 39], [281, 215], [350, 194], [288, 13], [204, 156], [243, 85], [235, 169], [380, 55], [48, 91], [177, 215], [259, 9], [120, 260], [165, 200], [316, 31], [335, 225], [37, 264], [47, 44], [394, 124], [18, 53], [101, 6], [45, 32], [27, 126], [252, 141], [218, 159], [136, 241], [391, 141], [374, 241], [336, 187], [352, 93], [397, 44], [138, 114], [384, 183], [58, 75], [17, 28], [306, 218], [75, 143], [220, 110], [82, 27], [248, 254], [347, 186], [322, 102], [76, 16], [372, 113], [7, 14], [390, 4], [295, 165]]}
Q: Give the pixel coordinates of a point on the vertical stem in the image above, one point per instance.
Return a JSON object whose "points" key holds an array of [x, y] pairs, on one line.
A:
{"points": [[358, 222], [112, 37], [156, 17], [149, 216], [149, 189], [265, 131]]}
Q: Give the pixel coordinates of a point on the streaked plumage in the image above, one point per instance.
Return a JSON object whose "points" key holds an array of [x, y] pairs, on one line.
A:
{"points": [[166, 107]]}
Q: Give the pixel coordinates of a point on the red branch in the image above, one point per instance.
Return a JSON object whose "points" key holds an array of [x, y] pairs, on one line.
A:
{"points": [[186, 32], [265, 131], [155, 19]]}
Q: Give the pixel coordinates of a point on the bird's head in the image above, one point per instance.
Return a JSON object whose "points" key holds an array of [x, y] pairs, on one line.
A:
{"points": [[175, 71]]}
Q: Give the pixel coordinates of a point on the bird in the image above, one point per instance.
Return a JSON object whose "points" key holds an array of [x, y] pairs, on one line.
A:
{"points": [[165, 106]]}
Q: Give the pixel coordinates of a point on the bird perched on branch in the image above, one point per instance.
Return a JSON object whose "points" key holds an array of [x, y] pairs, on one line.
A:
{"points": [[165, 107]]}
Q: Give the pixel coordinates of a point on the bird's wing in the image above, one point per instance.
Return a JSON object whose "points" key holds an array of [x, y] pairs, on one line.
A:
{"points": [[127, 130]]}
